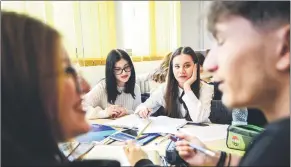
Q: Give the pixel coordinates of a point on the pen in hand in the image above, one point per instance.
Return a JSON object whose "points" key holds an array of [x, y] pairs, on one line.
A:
{"points": [[196, 147]]}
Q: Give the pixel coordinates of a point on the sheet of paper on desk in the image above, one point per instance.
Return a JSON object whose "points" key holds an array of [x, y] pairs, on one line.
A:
{"points": [[206, 133], [160, 124], [164, 124], [128, 121], [117, 153]]}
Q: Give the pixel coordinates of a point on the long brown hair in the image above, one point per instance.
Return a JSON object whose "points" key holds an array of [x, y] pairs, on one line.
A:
{"points": [[172, 107], [30, 64]]}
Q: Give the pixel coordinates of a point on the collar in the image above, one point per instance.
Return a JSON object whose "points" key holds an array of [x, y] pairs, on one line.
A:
{"points": [[180, 91], [120, 89]]}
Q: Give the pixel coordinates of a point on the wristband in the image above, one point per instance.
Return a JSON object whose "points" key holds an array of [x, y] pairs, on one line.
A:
{"points": [[221, 160]]}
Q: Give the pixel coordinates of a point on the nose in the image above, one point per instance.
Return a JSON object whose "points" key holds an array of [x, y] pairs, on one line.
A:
{"points": [[210, 63], [181, 70]]}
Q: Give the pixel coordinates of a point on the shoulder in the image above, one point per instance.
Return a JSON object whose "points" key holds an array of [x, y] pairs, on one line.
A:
{"points": [[101, 85], [162, 87], [136, 88]]}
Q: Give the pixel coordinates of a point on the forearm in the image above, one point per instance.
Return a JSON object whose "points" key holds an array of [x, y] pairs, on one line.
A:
{"points": [[97, 112]]}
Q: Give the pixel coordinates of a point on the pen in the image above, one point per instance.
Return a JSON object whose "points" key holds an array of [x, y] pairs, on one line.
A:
{"points": [[141, 132], [199, 148]]}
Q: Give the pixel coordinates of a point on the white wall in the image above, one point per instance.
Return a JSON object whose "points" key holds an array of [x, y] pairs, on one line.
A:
{"points": [[193, 25], [193, 34]]}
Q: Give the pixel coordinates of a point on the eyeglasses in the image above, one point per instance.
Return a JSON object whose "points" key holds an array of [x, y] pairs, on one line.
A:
{"points": [[119, 71], [72, 72]]}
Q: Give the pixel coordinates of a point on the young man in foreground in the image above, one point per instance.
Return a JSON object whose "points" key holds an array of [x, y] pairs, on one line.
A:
{"points": [[251, 62]]}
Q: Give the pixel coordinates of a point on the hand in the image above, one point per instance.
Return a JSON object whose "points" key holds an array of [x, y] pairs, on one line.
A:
{"points": [[190, 81], [134, 153], [144, 112], [122, 111], [113, 111], [187, 153]]}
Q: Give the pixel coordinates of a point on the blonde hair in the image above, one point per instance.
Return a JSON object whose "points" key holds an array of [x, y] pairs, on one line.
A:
{"points": [[160, 74]]}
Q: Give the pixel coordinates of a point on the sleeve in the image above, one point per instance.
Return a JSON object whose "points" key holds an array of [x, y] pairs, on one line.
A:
{"points": [[144, 163], [155, 101], [137, 100], [92, 101], [93, 163], [199, 109]]}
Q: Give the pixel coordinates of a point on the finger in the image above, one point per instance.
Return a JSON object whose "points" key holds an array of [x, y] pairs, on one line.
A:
{"points": [[184, 154], [130, 143], [185, 136], [143, 113], [185, 148], [148, 112], [182, 143], [126, 149]]}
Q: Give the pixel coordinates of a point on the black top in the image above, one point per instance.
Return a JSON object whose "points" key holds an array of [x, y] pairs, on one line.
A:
{"points": [[271, 147]]}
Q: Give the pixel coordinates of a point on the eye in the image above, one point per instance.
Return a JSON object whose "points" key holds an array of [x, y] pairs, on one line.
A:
{"points": [[117, 69], [187, 65], [177, 66]]}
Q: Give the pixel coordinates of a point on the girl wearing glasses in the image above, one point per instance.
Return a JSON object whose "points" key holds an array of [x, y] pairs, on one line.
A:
{"points": [[183, 96], [118, 94]]}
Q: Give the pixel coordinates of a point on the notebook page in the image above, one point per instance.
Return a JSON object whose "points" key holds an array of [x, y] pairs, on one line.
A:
{"points": [[128, 121], [160, 124], [164, 124], [206, 133]]}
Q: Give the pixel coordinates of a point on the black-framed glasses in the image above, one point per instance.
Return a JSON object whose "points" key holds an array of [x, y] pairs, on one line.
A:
{"points": [[72, 72], [119, 71]]}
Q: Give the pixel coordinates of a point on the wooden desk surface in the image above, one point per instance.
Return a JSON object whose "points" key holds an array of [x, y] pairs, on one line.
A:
{"points": [[214, 145]]}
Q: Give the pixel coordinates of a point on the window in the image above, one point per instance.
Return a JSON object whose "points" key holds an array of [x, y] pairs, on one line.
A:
{"points": [[149, 28]]}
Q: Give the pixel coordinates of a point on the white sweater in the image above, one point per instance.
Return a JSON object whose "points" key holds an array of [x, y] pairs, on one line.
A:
{"points": [[199, 109], [95, 101]]}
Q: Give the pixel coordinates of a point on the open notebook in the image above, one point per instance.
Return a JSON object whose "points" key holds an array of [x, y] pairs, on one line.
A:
{"points": [[117, 153], [160, 124]]}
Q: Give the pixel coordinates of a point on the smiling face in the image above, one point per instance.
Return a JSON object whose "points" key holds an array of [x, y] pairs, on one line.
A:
{"points": [[183, 66], [243, 63], [71, 115], [122, 72]]}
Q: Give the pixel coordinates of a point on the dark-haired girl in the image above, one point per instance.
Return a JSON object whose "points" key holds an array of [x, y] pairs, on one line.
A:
{"points": [[117, 94]]}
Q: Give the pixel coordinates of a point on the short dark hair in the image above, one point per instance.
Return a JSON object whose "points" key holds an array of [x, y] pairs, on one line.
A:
{"points": [[111, 84], [259, 13]]}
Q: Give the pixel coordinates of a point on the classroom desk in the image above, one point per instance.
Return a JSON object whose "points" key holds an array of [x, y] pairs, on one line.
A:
{"points": [[214, 145]]}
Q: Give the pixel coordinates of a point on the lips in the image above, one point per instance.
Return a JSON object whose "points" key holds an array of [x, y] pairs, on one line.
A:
{"points": [[125, 76], [183, 77], [79, 107]]}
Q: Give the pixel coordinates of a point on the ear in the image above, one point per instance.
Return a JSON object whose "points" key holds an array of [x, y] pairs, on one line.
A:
{"points": [[283, 64]]}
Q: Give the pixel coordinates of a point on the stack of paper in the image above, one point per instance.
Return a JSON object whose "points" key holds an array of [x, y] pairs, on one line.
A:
{"points": [[206, 133], [160, 124]]}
